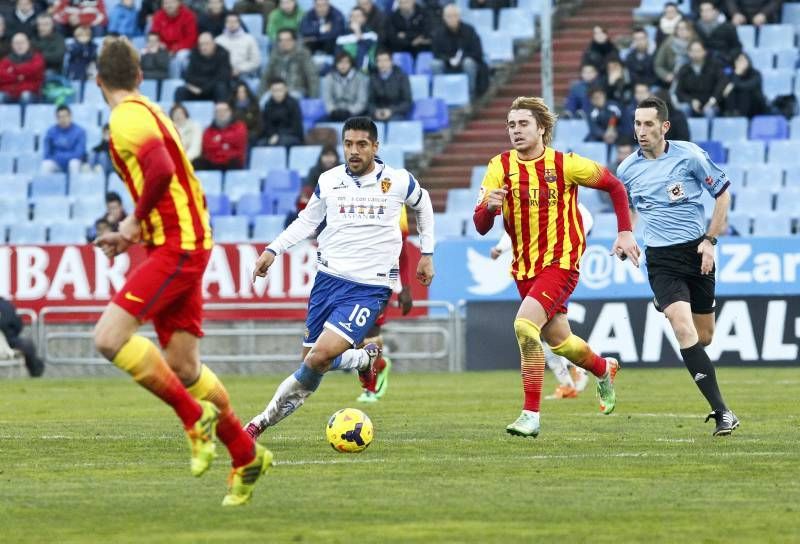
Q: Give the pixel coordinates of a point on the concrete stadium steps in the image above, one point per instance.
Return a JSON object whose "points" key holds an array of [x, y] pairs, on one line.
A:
{"points": [[485, 135]]}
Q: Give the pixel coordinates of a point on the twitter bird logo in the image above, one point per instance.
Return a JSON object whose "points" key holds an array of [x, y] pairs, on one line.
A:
{"points": [[491, 277]]}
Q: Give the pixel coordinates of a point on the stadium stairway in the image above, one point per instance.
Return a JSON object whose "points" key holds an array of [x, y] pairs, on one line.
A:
{"points": [[485, 135]]}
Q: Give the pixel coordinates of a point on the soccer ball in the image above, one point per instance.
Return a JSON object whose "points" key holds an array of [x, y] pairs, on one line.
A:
{"points": [[349, 431]]}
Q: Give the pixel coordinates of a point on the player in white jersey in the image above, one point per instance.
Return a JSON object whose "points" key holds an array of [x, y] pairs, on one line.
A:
{"points": [[357, 259]]}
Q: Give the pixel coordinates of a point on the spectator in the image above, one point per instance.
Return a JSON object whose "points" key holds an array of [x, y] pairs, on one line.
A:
{"points": [[345, 90], [719, 38], [407, 29], [376, 19], [494, 5], [389, 90], [5, 41], [673, 53], [639, 61], [328, 158], [457, 48], [700, 83], [21, 72], [744, 94], [22, 19], [115, 211], [618, 83], [300, 204], [81, 55], [64, 144], [245, 109], [212, 18], [288, 15], [262, 7], [147, 9], [360, 43], [603, 117], [190, 132], [101, 227], [208, 74], [10, 328], [123, 19], [283, 120], [242, 47], [70, 14], [678, 124], [625, 125], [755, 12], [599, 50], [577, 103], [321, 26], [176, 25], [154, 59], [50, 44], [224, 142], [99, 158], [623, 149], [291, 62], [668, 22]]}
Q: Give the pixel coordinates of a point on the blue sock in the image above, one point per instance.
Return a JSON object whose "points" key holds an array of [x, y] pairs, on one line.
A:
{"points": [[336, 362], [309, 377]]}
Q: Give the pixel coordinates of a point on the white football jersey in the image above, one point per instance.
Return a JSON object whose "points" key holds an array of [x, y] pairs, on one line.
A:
{"points": [[361, 241]]}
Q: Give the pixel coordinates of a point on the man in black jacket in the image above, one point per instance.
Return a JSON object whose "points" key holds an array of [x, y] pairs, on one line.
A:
{"points": [[11, 327], [208, 75], [720, 38], [700, 83], [755, 12], [639, 61], [457, 47], [407, 28], [389, 90], [282, 118]]}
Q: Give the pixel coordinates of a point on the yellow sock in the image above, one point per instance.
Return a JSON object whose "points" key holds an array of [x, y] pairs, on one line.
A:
{"points": [[576, 350], [138, 357], [532, 362], [209, 387]]}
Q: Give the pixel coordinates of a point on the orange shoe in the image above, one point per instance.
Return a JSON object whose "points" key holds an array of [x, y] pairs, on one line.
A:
{"points": [[563, 392]]}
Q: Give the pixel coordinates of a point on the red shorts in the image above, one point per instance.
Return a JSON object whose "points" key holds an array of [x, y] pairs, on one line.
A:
{"points": [[381, 321], [167, 288], [551, 287]]}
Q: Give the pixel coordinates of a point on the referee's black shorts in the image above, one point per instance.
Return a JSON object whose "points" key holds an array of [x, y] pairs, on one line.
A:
{"points": [[674, 274]]}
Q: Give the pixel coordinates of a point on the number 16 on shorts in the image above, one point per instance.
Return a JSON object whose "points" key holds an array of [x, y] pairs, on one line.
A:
{"points": [[353, 322]]}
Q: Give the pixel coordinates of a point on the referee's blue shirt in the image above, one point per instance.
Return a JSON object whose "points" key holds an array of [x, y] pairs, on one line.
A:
{"points": [[667, 191]]}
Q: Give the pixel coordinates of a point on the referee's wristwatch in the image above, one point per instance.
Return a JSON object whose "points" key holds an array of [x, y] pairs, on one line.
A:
{"points": [[710, 239]]}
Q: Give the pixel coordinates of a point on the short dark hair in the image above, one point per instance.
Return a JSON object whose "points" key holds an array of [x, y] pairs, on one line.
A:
{"points": [[118, 64], [178, 106], [383, 51], [275, 80], [63, 107], [344, 55], [361, 123], [291, 31], [662, 112], [101, 221], [113, 196]]}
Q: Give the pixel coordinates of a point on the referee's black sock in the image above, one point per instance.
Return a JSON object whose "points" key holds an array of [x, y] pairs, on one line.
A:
{"points": [[699, 365]]}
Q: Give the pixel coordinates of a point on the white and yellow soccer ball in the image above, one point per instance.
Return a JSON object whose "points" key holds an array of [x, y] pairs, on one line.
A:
{"points": [[349, 431]]}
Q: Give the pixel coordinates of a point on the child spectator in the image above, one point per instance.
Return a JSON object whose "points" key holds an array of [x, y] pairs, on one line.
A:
{"points": [[82, 55], [122, 19], [154, 58]]}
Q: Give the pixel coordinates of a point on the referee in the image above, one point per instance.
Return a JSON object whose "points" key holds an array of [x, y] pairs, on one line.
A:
{"points": [[665, 181]]}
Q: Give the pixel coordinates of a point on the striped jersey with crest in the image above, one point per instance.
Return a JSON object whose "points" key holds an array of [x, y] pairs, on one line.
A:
{"points": [[540, 211], [180, 218]]}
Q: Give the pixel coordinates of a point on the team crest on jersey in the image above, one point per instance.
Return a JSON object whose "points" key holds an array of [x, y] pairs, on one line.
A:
{"points": [[550, 175], [386, 184]]}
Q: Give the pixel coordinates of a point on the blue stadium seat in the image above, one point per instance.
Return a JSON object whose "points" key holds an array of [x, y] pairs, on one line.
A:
{"points": [[764, 59], [12, 210], [10, 116], [392, 155], [766, 177], [482, 19], [571, 130], [596, 151], [649, 9], [452, 88], [777, 83], [92, 94], [605, 226], [282, 180], [735, 174], [168, 88], [420, 86], [460, 202], [267, 158], [253, 23], [201, 111], [84, 115], [18, 141], [478, 172], [729, 129], [423, 64], [49, 185], [249, 205], [149, 88], [776, 36], [786, 59], [279, 202], [746, 152], [769, 127], [51, 209], [87, 184], [7, 163], [211, 181], [231, 228], [706, 200], [783, 151], [27, 233], [517, 23], [87, 209], [267, 227], [747, 36], [698, 128], [67, 232], [448, 225], [406, 134], [772, 224], [303, 157], [740, 223], [240, 182], [39, 118], [313, 109], [787, 200], [715, 150], [752, 201], [404, 60], [28, 163], [218, 204], [498, 47], [791, 13], [433, 114]]}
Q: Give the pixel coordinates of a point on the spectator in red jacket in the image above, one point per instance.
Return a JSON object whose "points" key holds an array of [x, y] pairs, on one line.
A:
{"points": [[21, 72], [69, 14], [176, 25], [224, 142]]}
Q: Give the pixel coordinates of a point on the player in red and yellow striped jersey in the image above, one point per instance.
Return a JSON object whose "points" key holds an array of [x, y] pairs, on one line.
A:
{"points": [[535, 188], [172, 220]]}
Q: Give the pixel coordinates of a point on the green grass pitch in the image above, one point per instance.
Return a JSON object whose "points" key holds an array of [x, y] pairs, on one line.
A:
{"points": [[99, 460]]}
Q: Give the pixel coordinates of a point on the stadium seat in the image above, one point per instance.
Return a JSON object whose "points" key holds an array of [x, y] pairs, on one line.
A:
{"points": [[39, 118], [769, 127], [517, 23], [7, 163], [420, 86], [28, 163], [787, 200], [448, 225], [433, 114], [211, 181], [482, 19], [92, 94], [149, 88], [776, 36], [253, 23], [201, 111], [240, 182], [303, 157], [265, 159], [715, 150], [764, 59], [478, 172], [116, 185], [249, 205], [772, 224], [698, 128], [12, 211], [752, 201], [218, 204], [783, 151], [735, 174], [605, 226], [452, 88], [791, 14], [404, 60], [392, 155], [596, 151], [67, 232], [18, 141], [729, 129], [746, 153], [423, 64], [706, 200], [747, 36], [27, 233], [786, 59], [168, 88], [87, 184], [49, 185], [282, 180], [230, 228], [313, 109], [51, 209], [84, 115], [571, 130], [766, 177], [739, 222], [267, 227], [460, 202], [14, 186], [279, 202], [649, 9], [777, 83], [87, 209], [407, 135], [10, 116], [498, 47]]}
